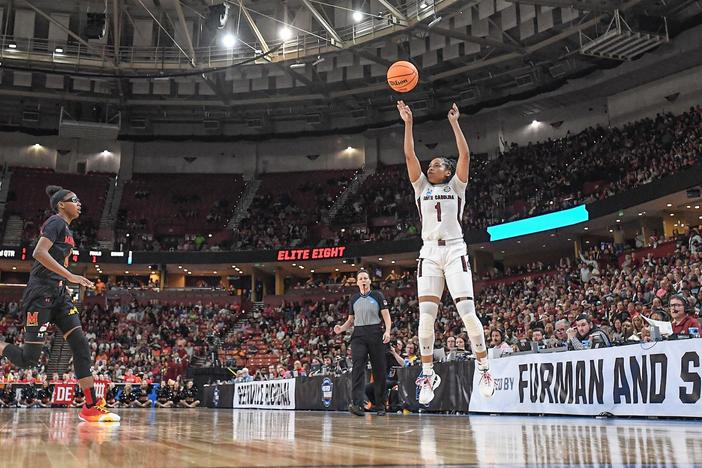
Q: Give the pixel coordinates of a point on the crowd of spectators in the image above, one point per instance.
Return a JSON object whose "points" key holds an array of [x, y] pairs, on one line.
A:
{"points": [[591, 302], [333, 282], [564, 308], [37, 391], [536, 178], [283, 214], [132, 343]]}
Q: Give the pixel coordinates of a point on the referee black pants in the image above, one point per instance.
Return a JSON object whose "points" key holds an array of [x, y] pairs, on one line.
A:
{"points": [[368, 341]]}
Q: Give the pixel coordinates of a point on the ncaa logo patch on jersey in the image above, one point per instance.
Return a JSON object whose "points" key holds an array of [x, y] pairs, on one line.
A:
{"points": [[447, 189]]}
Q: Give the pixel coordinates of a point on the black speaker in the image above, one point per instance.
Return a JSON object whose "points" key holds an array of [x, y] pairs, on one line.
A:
{"points": [[95, 27]]}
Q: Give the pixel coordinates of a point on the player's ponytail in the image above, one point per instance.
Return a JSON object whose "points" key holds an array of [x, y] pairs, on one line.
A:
{"points": [[56, 194]]}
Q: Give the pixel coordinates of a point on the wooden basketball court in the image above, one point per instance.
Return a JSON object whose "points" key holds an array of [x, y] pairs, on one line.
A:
{"points": [[217, 438]]}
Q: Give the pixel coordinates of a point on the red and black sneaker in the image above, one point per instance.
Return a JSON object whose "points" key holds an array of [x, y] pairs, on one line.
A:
{"points": [[97, 413]]}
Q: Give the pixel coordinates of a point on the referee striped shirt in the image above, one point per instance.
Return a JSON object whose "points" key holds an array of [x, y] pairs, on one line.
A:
{"points": [[366, 308]]}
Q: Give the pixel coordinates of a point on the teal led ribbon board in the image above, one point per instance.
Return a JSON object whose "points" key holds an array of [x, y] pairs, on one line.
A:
{"points": [[541, 223]]}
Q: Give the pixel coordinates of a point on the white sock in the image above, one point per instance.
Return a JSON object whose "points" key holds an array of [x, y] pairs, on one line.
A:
{"points": [[428, 368]]}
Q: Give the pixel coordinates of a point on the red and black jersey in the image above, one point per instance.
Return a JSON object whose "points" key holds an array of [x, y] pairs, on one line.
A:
{"points": [[56, 230]]}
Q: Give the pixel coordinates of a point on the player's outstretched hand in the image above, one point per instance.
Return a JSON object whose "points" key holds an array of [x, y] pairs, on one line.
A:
{"points": [[405, 111], [81, 280], [337, 329], [453, 113]]}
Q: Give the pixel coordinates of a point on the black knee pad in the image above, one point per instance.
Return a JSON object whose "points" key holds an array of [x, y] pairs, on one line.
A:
{"points": [[461, 299], [81, 353], [24, 356]]}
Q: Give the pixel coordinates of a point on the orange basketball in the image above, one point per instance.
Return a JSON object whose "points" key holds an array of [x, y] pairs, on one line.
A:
{"points": [[402, 76]]}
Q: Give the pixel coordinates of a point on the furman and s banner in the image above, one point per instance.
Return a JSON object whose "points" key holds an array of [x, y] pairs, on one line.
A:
{"points": [[273, 394], [648, 379]]}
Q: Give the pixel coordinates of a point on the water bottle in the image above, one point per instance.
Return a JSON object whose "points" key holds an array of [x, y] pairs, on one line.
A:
{"points": [[407, 362], [586, 344], [694, 332]]}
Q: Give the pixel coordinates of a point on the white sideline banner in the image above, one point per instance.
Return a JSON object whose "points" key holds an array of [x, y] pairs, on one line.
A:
{"points": [[269, 394], [649, 379]]}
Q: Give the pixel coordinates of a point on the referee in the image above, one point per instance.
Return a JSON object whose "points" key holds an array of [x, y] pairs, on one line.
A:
{"points": [[367, 339]]}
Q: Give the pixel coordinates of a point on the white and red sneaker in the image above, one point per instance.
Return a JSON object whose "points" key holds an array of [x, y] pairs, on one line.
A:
{"points": [[425, 387], [97, 413], [487, 383]]}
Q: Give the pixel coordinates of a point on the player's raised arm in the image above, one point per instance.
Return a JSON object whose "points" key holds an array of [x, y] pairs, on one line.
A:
{"points": [[413, 168], [463, 152]]}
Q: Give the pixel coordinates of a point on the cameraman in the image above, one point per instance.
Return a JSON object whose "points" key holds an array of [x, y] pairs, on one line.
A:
{"points": [[214, 342]]}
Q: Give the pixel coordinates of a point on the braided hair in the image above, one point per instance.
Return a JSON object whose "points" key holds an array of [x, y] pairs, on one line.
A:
{"points": [[449, 164]]}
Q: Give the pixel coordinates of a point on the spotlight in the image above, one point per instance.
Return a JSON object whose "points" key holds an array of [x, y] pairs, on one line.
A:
{"points": [[59, 50], [228, 40], [357, 16], [285, 33], [297, 65], [217, 16], [12, 45]]}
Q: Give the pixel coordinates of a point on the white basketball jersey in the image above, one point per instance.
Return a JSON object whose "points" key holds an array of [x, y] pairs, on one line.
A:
{"points": [[440, 208]]}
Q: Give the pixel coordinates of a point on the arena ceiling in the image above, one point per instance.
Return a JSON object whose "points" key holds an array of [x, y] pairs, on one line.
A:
{"points": [[322, 63]]}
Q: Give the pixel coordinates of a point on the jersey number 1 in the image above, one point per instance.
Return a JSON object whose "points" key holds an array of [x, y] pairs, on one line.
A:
{"points": [[438, 211]]}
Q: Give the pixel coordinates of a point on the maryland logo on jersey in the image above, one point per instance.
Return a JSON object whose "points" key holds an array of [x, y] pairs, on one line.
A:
{"points": [[32, 319]]}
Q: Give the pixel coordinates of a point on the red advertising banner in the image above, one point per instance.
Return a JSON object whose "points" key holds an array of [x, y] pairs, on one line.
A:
{"points": [[64, 393]]}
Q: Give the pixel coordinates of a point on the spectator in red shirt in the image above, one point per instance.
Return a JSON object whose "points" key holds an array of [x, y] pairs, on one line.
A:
{"points": [[129, 377], [682, 322]]}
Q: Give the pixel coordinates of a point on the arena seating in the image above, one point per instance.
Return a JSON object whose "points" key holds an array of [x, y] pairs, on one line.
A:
{"points": [[175, 205], [28, 200], [171, 198], [288, 207], [158, 210]]}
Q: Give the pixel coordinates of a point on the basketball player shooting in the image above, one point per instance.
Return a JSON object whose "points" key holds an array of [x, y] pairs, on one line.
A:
{"points": [[443, 259]]}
